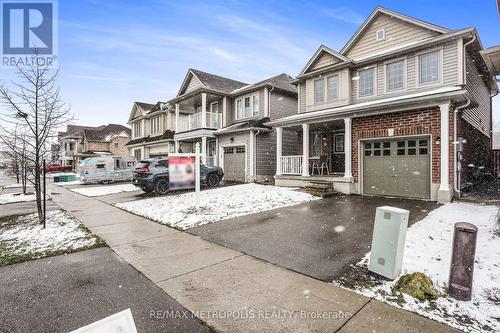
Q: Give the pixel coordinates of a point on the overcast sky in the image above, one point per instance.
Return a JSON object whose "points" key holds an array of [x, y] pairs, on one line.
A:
{"points": [[112, 53]]}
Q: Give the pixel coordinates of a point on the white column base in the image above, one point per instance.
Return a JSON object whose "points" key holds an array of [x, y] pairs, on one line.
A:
{"points": [[444, 195]]}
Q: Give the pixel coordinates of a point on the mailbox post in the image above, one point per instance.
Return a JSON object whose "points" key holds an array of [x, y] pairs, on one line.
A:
{"points": [[462, 261]]}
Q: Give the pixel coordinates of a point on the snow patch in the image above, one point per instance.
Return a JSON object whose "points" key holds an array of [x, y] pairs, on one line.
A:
{"points": [[96, 191], [428, 250], [16, 197], [217, 204]]}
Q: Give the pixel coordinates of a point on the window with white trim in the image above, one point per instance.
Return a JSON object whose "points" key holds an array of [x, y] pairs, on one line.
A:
{"points": [[380, 34], [247, 106], [155, 124], [319, 91], [137, 126], [394, 72], [214, 107], [332, 83], [366, 82], [428, 67]]}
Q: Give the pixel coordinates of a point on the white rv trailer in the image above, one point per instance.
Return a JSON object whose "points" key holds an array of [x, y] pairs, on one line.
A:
{"points": [[106, 169]]}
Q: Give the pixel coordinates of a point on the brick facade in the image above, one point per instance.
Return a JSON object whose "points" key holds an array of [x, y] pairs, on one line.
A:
{"points": [[422, 122]]}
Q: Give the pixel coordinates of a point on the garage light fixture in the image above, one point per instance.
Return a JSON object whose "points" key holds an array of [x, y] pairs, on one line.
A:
{"points": [[438, 140], [232, 140]]}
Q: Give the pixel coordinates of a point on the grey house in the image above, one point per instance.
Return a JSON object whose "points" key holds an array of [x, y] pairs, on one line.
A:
{"points": [[398, 111], [227, 118]]}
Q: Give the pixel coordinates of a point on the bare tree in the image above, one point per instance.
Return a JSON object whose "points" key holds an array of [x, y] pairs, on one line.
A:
{"points": [[33, 102]]}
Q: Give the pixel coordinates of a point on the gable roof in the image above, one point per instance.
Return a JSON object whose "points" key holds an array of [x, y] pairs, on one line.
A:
{"points": [[320, 51], [281, 82], [211, 82], [77, 130], [102, 134], [380, 10]]}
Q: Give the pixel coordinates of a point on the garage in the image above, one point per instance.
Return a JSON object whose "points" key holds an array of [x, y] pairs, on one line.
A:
{"points": [[397, 167], [234, 163]]}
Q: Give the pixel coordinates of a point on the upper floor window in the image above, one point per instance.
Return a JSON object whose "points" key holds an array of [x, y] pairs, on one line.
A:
{"points": [[367, 82], [380, 35], [137, 127], [155, 124], [332, 86], [394, 72], [428, 67], [247, 106], [319, 91], [214, 107]]}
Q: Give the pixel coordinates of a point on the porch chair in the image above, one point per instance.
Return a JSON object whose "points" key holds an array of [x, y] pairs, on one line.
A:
{"points": [[321, 166]]}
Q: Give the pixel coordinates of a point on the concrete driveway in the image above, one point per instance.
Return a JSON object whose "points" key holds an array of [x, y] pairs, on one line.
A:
{"points": [[319, 239], [63, 293]]}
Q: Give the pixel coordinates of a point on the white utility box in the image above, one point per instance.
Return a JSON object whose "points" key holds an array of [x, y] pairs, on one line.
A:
{"points": [[388, 243]]}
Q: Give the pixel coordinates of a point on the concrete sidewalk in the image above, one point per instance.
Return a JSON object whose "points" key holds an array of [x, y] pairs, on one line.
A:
{"points": [[231, 291]]}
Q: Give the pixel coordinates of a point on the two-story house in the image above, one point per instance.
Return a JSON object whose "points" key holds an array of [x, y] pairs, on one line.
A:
{"points": [[108, 140], [398, 111], [152, 130], [227, 118], [70, 144]]}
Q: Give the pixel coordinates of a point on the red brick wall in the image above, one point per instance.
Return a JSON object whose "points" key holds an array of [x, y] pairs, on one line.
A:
{"points": [[404, 123]]}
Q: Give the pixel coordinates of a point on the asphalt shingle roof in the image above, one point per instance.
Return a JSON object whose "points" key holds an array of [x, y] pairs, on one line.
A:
{"points": [[102, 133], [218, 83]]}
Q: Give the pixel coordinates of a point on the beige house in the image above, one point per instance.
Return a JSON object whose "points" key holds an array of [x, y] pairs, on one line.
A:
{"points": [[108, 140], [397, 112]]}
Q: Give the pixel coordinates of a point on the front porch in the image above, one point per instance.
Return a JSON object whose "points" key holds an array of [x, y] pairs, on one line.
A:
{"points": [[315, 154]]}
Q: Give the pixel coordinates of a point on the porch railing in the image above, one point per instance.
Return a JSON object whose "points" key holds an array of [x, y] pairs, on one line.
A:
{"points": [[194, 121], [291, 165]]}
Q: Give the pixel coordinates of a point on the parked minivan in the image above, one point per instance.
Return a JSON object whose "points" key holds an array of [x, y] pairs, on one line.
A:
{"points": [[151, 175]]}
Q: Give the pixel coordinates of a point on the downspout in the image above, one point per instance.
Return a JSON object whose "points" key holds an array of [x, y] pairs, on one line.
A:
{"points": [[456, 179]]}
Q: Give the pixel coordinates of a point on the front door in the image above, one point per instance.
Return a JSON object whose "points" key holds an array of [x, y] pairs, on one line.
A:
{"points": [[338, 156]]}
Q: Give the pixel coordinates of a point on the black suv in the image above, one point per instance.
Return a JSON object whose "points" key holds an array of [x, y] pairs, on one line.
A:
{"points": [[152, 175]]}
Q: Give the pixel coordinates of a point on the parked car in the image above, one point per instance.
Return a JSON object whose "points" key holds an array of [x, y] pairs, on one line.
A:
{"points": [[152, 175], [106, 169], [58, 168]]}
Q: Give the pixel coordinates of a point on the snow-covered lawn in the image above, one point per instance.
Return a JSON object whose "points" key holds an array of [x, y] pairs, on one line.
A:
{"points": [[17, 185], [75, 182], [16, 197], [428, 250], [96, 191], [23, 238], [217, 204]]}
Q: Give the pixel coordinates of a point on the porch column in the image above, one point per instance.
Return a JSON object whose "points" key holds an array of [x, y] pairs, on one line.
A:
{"points": [[279, 148], [348, 148], [224, 111], [177, 146], [204, 110], [177, 111], [305, 149], [252, 154], [204, 149], [445, 193], [216, 153]]}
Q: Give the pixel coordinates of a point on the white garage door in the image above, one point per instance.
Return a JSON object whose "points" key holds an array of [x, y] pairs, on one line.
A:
{"points": [[234, 163]]}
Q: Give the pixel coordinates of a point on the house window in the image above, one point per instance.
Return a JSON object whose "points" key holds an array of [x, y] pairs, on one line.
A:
{"points": [[137, 154], [137, 129], [366, 82], [155, 124], [428, 65], [214, 107], [316, 144], [319, 93], [332, 86], [380, 35], [395, 75], [116, 144], [247, 106]]}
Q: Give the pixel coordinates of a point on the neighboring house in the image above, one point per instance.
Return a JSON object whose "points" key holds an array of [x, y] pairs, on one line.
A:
{"points": [[227, 118], [108, 140], [70, 144], [387, 113], [152, 130]]}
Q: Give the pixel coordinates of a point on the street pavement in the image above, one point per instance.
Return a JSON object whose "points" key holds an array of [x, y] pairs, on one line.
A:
{"points": [[232, 291]]}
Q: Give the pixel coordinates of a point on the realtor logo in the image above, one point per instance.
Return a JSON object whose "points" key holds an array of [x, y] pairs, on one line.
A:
{"points": [[28, 26]]}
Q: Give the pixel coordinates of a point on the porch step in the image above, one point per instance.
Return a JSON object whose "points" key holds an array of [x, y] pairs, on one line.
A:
{"points": [[320, 188]]}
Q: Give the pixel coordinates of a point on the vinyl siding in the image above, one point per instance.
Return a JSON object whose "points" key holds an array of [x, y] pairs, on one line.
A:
{"points": [[193, 84], [449, 74], [302, 97], [231, 119], [397, 33], [479, 116], [325, 59], [281, 105], [266, 150]]}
